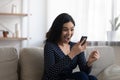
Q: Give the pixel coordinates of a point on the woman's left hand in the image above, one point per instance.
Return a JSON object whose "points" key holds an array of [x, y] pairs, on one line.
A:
{"points": [[93, 57]]}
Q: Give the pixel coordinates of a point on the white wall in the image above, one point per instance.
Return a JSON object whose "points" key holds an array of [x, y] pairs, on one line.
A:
{"points": [[37, 22]]}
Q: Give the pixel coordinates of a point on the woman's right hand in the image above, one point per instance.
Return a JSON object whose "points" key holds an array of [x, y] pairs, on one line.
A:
{"points": [[77, 49]]}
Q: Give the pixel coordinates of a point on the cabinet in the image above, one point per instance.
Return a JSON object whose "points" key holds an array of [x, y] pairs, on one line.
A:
{"points": [[14, 19]]}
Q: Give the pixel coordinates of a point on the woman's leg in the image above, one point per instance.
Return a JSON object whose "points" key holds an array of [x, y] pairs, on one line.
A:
{"points": [[77, 76], [80, 76]]}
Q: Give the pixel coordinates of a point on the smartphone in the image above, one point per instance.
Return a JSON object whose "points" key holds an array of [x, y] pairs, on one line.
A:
{"points": [[83, 38]]}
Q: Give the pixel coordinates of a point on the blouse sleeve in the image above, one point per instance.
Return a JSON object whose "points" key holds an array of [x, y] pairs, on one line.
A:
{"points": [[52, 68], [83, 64]]}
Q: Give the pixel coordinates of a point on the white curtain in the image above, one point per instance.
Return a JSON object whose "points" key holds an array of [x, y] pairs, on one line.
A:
{"points": [[91, 16]]}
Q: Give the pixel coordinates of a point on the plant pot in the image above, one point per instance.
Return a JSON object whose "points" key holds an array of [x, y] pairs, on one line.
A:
{"points": [[111, 35]]}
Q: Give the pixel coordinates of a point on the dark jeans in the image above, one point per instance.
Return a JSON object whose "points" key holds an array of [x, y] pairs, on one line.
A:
{"points": [[79, 76]]}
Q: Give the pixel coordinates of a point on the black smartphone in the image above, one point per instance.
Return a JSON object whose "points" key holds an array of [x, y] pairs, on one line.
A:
{"points": [[83, 38]]}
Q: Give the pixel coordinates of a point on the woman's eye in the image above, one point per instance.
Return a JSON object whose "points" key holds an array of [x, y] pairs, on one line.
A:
{"points": [[65, 29], [68, 30], [72, 29]]}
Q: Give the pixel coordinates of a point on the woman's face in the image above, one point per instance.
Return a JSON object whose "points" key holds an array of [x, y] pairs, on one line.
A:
{"points": [[67, 32]]}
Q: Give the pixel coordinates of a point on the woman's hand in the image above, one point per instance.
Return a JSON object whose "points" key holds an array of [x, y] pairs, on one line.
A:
{"points": [[93, 57], [77, 49]]}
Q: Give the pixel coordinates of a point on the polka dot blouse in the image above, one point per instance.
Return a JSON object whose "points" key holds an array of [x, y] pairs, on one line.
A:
{"points": [[57, 64]]}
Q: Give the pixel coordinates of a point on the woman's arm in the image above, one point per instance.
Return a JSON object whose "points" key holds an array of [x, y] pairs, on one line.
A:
{"points": [[83, 63]]}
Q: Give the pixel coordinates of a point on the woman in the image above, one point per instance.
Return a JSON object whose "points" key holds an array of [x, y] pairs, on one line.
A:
{"points": [[61, 55]]}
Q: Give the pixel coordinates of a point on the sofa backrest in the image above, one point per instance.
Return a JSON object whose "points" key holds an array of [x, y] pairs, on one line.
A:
{"points": [[107, 58], [31, 63], [8, 63]]}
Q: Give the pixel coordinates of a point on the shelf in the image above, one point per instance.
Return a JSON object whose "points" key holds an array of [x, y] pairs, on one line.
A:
{"points": [[13, 14], [12, 38]]}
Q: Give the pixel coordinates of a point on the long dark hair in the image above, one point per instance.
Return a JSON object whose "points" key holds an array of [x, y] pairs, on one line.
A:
{"points": [[54, 33]]}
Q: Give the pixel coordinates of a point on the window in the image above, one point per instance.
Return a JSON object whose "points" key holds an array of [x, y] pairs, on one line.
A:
{"points": [[91, 16]]}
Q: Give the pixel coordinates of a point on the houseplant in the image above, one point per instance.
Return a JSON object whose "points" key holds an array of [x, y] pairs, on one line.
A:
{"points": [[115, 24]]}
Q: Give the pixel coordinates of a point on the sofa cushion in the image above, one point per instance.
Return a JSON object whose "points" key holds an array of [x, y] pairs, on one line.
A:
{"points": [[8, 63], [31, 61], [110, 73], [107, 58]]}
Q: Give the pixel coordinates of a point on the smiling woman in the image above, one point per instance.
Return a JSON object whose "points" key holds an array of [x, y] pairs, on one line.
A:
{"points": [[61, 55]]}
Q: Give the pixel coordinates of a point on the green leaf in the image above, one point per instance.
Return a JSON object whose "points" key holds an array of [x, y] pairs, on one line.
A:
{"points": [[116, 19], [117, 26]]}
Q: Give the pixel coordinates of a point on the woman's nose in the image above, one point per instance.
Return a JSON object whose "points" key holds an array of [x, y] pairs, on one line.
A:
{"points": [[69, 32]]}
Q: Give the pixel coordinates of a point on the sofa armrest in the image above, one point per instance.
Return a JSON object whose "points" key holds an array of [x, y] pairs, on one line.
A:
{"points": [[110, 73], [107, 58]]}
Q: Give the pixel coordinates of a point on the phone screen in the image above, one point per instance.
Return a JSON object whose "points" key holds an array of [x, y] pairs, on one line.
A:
{"points": [[83, 38]]}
